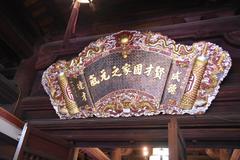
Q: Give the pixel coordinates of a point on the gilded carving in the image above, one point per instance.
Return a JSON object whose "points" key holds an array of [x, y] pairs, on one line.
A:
{"points": [[188, 77]]}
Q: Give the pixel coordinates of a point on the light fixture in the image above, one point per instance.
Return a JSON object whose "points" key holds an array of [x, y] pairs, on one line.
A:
{"points": [[90, 2], [84, 1], [145, 151]]}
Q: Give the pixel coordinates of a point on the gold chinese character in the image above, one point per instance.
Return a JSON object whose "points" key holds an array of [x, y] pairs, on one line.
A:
{"points": [[104, 76], [175, 76], [159, 71], [80, 85], [93, 80], [137, 69], [84, 96], [115, 72], [149, 70], [126, 69], [172, 88]]}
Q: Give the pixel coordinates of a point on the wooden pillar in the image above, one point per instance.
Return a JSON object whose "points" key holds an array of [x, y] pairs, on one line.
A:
{"points": [[172, 139], [176, 144], [116, 154]]}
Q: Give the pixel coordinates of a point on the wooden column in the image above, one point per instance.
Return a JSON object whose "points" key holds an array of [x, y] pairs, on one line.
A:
{"points": [[176, 142], [116, 154]]}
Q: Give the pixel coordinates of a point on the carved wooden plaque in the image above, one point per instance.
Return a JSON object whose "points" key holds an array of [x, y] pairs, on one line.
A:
{"points": [[132, 74]]}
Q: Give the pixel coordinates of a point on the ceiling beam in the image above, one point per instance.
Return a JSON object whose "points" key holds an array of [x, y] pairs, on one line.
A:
{"points": [[49, 52]]}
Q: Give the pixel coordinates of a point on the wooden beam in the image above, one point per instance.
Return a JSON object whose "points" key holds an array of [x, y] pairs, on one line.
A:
{"points": [[95, 153], [4, 114], [49, 52]]}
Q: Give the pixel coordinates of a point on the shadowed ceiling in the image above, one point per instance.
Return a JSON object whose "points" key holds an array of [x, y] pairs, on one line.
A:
{"points": [[34, 22]]}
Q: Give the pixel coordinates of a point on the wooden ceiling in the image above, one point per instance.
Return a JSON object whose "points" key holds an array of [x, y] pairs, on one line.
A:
{"points": [[51, 16], [27, 23]]}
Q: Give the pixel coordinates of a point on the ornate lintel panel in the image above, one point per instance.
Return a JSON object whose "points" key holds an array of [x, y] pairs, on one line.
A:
{"points": [[130, 73]]}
